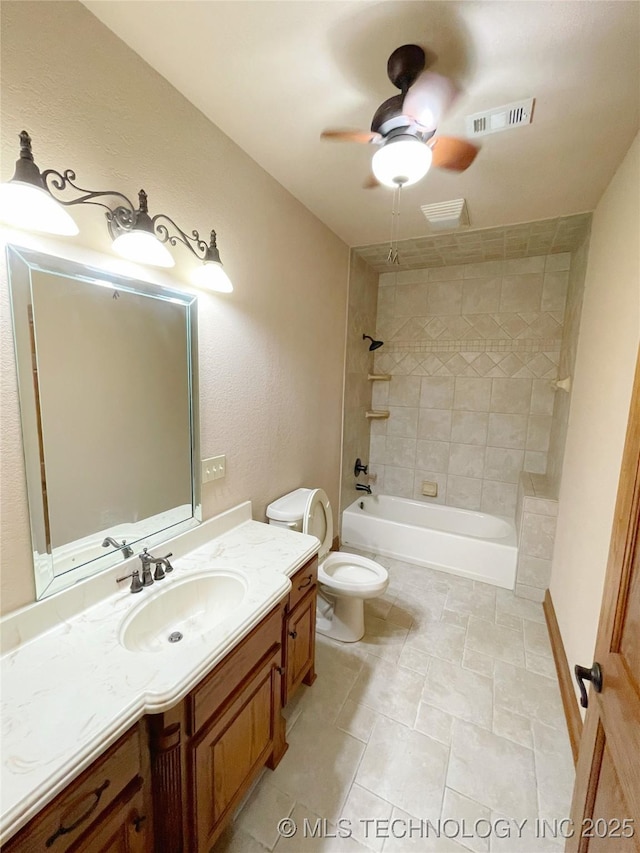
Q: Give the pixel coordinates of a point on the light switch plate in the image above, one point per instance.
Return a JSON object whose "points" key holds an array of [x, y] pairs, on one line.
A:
{"points": [[213, 468]]}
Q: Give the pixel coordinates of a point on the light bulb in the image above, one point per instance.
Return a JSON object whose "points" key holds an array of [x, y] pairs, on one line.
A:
{"points": [[32, 208], [143, 248], [401, 162], [212, 276]]}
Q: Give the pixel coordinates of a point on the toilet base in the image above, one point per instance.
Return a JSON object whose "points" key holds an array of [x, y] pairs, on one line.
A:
{"points": [[346, 623]]}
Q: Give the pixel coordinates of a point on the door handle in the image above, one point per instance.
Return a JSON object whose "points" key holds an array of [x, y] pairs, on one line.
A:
{"points": [[594, 675]]}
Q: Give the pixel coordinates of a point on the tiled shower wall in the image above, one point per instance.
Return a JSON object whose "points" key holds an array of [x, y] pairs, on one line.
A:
{"points": [[472, 350], [361, 319]]}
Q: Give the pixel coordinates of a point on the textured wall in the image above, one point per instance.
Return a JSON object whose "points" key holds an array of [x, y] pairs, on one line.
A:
{"points": [[271, 354], [567, 365], [363, 299], [605, 363], [472, 350]]}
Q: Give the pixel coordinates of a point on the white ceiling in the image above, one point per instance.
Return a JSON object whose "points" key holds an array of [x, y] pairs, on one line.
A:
{"points": [[272, 75]]}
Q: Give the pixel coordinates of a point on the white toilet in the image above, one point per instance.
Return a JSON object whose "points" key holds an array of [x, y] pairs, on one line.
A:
{"points": [[345, 579]]}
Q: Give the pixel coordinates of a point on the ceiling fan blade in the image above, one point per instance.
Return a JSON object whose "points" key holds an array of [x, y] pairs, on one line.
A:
{"points": [[370, 182], [452, 153], [364, 136], [428, 99]]}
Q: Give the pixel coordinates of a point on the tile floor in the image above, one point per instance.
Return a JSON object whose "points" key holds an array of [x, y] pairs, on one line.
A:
{"points": [[448, 711]]}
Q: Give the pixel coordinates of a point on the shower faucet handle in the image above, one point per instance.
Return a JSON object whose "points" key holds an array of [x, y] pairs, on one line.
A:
{"points": [[359, 468]]}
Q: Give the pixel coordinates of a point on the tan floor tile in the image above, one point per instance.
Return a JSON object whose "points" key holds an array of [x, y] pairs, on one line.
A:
{"points": [[314, 834], [477, 662], [459, 692], [510, 604], [495, 641], [492, 770], [434, 723], [414, 659], [479, 601], [512, 726], [517, 835], [262, 811], [541, 664], [236, 840], [528, 694], [404, 767], [388, 689], [536, 639], [361, 807], [438, 639], [319, 767], [383, 638], [357, 720], [554, 770], [472, 819], [407, 834]]}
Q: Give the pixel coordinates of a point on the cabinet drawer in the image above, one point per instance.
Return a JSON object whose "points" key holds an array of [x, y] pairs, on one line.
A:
{"points": [[212, 693], [302, 582], [64, 820]]}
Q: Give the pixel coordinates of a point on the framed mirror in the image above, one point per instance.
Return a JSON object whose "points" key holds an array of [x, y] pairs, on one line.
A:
{"points": [[108, 384]]}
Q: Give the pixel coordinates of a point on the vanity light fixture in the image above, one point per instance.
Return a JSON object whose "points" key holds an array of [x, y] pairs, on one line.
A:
{"points": [[27, 202]]}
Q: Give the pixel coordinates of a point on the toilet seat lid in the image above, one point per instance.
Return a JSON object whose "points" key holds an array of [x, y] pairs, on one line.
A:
{"points": [[317, 520]]}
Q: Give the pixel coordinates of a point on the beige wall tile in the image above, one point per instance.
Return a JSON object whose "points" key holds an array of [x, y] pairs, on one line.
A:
{"points": [[464, 492], [542, 397], [522, 266], [507, 431], [511, 396], [559, 261], [402, 422], [521, 293], [472, 395], [554, 291], [537, 535], [435, 424], [433, 456], [481, 295], [446, 273], [498, 498], [538, 432], [444, 297], [404, 391], [466, 460], [469, 427], [535, 461], [399, 481], [533, 571], [433, 477], [484, 269], [410, 300], [503, 464], [436, 392]]}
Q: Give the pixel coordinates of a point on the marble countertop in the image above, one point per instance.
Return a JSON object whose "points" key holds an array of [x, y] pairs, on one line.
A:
{"points": [[70, 692]]}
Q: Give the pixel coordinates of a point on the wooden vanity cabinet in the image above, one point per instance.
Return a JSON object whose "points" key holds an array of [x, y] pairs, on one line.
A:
{"points": [[299, 630], [173, 782], [106, 808]]}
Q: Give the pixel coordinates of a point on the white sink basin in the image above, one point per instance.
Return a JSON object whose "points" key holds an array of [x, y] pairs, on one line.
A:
{"points": [[183, 611]]}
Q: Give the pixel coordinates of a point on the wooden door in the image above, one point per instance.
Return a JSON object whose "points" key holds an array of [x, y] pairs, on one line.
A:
{"points": [[607, 791], [126, 828], [300, 628]]}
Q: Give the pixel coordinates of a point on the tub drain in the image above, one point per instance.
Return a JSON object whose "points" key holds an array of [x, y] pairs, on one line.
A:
{"points": [[175, 637]]}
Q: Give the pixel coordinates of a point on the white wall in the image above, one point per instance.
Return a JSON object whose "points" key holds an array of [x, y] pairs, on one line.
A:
{"points": [[605, 363], [272, 353]]}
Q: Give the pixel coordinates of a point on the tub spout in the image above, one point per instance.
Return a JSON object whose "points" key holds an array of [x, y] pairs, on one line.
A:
{"points": [[360, 487]]}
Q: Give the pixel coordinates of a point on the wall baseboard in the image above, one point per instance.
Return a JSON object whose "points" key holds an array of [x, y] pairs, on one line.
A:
{"points": [[569, 701]]}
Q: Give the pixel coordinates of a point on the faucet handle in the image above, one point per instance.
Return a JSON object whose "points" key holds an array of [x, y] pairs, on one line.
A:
{"points": [[167, 565], [136, 583]]}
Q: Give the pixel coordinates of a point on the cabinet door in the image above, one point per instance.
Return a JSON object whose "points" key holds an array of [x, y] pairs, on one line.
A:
{"points": [[226, 758], [126, 828], [300, 627]]}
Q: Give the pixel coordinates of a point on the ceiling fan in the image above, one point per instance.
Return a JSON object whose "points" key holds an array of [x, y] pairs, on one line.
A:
{"points": [[404, 126]]}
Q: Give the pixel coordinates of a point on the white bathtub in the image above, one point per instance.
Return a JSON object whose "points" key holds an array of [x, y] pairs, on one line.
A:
{"points": [[460, 541]]}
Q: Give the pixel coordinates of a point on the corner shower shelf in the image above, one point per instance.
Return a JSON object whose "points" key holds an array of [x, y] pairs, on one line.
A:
{"points": [[379, 377], [378, 415]]}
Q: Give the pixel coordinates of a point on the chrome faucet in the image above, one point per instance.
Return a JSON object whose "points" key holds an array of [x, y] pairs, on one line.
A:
{"points": [[360, 487], [162, 565], [127, 551]]}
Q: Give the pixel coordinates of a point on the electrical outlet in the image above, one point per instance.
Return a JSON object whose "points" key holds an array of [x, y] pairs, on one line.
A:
{"points": [[214, 468]]}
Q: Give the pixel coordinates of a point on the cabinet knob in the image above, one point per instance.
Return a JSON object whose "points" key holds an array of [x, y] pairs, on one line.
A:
{"points": [[138, 821], [293, 634]]}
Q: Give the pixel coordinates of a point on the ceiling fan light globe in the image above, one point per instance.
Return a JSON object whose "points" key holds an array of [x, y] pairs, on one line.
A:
{"points": [[401, 162]]}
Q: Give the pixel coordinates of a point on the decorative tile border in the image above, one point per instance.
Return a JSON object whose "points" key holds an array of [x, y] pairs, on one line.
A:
{"points": [[547, 236], [502, 345], [520, 365]]}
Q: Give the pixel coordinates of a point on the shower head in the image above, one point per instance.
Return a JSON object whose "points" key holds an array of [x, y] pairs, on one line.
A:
{"points": [[374, 344]]}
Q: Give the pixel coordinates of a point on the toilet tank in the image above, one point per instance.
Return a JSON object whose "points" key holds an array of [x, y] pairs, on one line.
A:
{"points": [[288, 510]]}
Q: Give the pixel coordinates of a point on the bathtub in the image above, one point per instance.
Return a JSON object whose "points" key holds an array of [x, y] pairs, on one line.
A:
{"points": [[459, 541]]}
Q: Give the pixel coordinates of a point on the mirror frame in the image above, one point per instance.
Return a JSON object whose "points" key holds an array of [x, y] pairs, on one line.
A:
{"points": [[20, 262]]}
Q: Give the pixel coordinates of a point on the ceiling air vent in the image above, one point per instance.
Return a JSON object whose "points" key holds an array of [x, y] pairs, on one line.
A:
{"points": [[500, 118], [446, 215]]}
